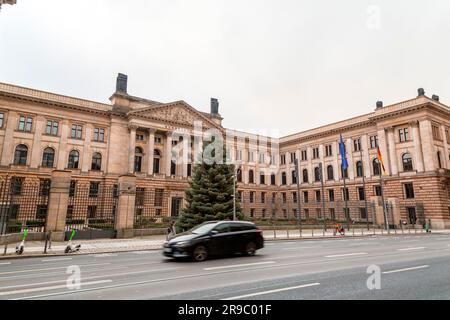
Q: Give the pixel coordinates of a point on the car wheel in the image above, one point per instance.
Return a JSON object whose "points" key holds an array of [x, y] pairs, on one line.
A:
{"points": [[250, 249], [200, 253]]}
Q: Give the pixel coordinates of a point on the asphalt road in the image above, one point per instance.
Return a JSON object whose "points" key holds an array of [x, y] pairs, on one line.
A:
{"points": [[412, 267]]}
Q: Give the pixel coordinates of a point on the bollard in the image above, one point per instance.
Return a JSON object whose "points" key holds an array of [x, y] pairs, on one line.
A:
{"points": [[6, 249], [46, 243], [312, 232]]}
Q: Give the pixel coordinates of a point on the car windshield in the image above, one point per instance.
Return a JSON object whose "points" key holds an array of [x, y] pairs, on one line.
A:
{"points": [[203, 228]]}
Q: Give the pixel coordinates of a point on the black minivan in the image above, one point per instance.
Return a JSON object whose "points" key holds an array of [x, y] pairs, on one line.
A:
{"points": [[215, 238]]}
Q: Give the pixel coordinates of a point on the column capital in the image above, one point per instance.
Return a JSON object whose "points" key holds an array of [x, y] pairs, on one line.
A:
{"points": [[414, 123], [389, 129], [132, 126], [151, 130]]}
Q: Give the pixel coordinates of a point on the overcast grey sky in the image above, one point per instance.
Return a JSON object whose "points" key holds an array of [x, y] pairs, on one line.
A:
{"points": [[279, 65]]}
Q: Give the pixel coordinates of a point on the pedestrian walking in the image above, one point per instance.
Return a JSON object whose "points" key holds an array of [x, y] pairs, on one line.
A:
{"points": [[171, 230]]}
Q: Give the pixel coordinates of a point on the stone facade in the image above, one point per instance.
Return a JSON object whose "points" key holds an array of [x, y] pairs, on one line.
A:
{"points": [[138, 141]]}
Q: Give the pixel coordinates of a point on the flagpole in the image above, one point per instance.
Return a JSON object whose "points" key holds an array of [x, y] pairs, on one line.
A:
{"points": [[346, 213], [381, 166], [364, 187]]}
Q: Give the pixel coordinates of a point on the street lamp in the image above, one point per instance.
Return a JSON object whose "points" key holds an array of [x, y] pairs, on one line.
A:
{"points": [[237, 169]]}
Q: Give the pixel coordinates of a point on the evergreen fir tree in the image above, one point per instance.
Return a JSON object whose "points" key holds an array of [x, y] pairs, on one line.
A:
{"points": [[210, 195]]}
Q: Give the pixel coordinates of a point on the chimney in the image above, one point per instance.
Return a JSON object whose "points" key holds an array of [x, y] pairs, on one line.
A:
{"points": [[421, 92], [121, 83], [379, 104], [214, 107], [435, 97]]}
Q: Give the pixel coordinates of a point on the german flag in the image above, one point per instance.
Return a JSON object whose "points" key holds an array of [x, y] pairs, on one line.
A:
{"points": [[380, 159]]}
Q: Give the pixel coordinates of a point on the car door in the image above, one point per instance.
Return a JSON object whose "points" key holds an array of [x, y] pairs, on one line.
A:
{"points": [[220, 239]]}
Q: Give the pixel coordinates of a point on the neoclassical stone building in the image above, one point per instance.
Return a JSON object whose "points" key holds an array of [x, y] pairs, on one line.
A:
{"points": [[44, 135]]}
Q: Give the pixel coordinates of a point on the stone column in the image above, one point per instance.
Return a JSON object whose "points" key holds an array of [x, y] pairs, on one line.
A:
{"points": [[185, 156], [446, 162], [62, 149], [57, 204], [310, 166], [36, 153], [8, 141], [351, 164], [151, 148], [428, 148], [336, 164], [132, 148], [126, 207], [418, 156], [392, 152], [87, 152], [168, 153]]}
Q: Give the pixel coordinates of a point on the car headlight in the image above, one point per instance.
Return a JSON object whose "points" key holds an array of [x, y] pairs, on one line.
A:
{"points": [[181, 244]]}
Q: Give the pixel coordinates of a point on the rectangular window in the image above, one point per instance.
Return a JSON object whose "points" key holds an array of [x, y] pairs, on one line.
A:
{"points": [[158, 140], [252, 197], [283, 159], [92, 212], [361, 194], [99, 135], [318, 196], [44, 187], [263, 197], [159, 193], [52, 128], [16, 186], [73, 185], [140, 196], [263, 213], [41, 212], [293, 157], [284, 197], [403, 134], [357, 144], [274, 197], [294, 197], [251, 156], [306, 213], [345, 194], [25, 123], [362, 213], [93, 189], [328, 150], [436, 132], [331, 195], [69, 214], [262, 178], [378, 191], [139, 137], [319, 213], [305, 197], [373, 142], [252, 213], [304, 155], [76, 132], [2, 119], [409, 190], [316, 153]]}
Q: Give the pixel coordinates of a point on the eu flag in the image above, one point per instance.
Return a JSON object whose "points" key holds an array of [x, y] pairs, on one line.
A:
{"points": [[343, 153]]}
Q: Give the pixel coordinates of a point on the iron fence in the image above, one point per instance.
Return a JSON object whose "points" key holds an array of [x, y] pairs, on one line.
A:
{"points": [[149, 207]]}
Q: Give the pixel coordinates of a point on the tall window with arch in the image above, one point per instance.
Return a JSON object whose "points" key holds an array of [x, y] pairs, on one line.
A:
{"points": [[407, 162], [48, 158], [359, 169], [156, 160], [316, 174], [74, 159], [21, 155], [305, 176], [138, 156], [376, 167], [251, 176], [330, 172], [96, 162]]}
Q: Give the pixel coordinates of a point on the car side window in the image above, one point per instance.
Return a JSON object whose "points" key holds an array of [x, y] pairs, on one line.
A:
{"points": [[222, 228], [236, 228]]}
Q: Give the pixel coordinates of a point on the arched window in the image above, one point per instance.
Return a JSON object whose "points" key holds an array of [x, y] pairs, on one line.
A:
{"points": [[138, 155], [48, 158], [407, 162], [156, 160], [305, 176], [20, 155], [294, 177], [251, 176], [96, 162], [173, 168], [283, 178], [272, 179], [330, 172], [376, 167], [239, 175], [74, 159], [359, 169], [262, 178], [344, 173], [316, 174]]}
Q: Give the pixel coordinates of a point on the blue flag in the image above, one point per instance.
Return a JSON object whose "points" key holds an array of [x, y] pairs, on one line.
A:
{"points": [[343, 154]]}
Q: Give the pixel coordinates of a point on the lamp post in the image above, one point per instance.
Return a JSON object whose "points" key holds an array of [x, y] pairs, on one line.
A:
{"points": [[297, 175], [236, 171]]}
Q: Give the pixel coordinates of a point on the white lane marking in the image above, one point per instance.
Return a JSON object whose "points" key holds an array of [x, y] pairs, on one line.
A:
{"points": [[406, 269], [347, 255], [272, 291], [56, 268], [238, 265], [58, 259], [6, 293], [103, 255], [87, 278], [297, 248], [145, 252], [411, 249], [407, 241], [4, 263]]}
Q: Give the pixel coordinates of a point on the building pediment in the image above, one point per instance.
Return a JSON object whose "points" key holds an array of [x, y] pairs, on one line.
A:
{"points": [[176, 113]]}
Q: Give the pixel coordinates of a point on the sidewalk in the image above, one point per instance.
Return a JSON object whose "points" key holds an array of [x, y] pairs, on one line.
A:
{"points": [[36, 248]]}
